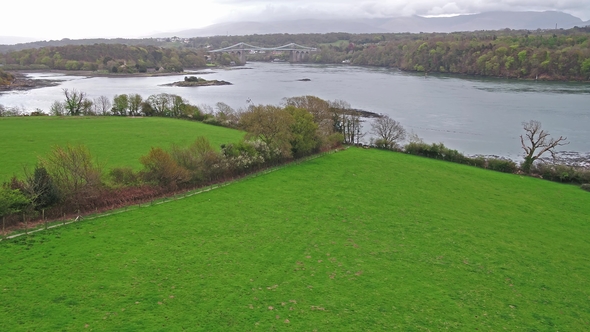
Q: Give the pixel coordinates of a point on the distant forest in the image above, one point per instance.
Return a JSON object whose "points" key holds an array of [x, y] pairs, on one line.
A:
{"points": [[540, 54], [114, 58]]}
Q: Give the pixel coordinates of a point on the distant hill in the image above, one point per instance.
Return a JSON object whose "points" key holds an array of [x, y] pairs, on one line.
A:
{"points": [[67, 42], [484, 21], [292, 27]]}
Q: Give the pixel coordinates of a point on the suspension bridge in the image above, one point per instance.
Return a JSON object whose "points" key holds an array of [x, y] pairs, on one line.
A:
{"points": [[297, 52]]}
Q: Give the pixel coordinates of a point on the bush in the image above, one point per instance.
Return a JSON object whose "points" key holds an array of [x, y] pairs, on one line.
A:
{"points": [[585, 186], [561, 173], [198, 159], [381, 144], [41, 189], [436, 151], [161, 169], [124, 176], [502, 165], [11, 201], [244, 155], [478, 161], [334, 140], [73, 172]]}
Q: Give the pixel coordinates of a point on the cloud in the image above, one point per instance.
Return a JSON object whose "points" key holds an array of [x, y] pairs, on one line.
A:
{"points": [[282, 9], [114, 18]]}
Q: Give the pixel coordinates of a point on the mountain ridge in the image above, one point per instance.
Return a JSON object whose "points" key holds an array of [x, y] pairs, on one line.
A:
{"points": [[497, 20]]}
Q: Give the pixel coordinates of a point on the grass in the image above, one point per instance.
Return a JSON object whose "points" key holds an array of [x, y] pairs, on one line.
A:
{"points": [[339, 43], [114, 141], [357, 240]]}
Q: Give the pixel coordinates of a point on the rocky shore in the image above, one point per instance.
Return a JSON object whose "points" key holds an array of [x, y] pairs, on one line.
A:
{"points": [[22, 83], [193, 81], [193, 84]]}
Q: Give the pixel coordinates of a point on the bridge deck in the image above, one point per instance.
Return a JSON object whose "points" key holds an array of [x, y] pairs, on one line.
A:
{"points": [[248, 47]]}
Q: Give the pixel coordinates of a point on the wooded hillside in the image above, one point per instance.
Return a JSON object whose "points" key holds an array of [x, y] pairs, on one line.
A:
{"points": [[107, 57], [521, 54], [543, 54]]}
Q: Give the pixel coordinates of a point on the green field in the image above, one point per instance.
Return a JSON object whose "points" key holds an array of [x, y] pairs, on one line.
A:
{"points": [[114, 141], [352, 241]]}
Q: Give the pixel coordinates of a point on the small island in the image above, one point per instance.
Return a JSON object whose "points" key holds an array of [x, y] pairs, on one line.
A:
{"points": [[197, 81]]}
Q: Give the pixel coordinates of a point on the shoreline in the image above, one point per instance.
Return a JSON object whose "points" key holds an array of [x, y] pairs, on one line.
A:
{"points": [[23, 83]]}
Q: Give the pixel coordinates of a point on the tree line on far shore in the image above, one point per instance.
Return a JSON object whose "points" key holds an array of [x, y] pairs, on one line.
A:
{"points": [[540, 54], [109, 58]]}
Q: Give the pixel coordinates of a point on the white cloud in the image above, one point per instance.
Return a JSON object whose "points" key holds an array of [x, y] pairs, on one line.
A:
{"points": [[108, 18]]}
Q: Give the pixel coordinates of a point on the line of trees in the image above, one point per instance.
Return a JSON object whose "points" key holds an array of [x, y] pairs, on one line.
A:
{"points": [[554, 55], [336, 120], [542, 54]]}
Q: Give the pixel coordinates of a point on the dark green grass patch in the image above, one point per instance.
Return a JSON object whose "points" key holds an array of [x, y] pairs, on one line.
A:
{"points": [[358, 240], [114, 141]]}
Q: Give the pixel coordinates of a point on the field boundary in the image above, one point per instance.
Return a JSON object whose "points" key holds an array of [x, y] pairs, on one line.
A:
{"points": [[168, 199]]}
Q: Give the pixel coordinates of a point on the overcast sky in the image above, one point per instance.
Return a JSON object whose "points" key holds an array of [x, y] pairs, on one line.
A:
{"points": [[75, 19]]}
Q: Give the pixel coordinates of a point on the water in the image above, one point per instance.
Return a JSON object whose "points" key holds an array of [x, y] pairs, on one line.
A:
{"points": [[472, 115]]}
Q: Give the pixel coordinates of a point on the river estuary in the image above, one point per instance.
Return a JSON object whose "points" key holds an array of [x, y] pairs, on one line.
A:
{"points": [[472, 115]]}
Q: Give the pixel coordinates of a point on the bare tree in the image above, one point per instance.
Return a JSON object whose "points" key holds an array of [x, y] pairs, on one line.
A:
{"points": [[74, 101], [388, 131], [74, 173], [537, 142], [102, 105], [347, 121], [226, 115]]}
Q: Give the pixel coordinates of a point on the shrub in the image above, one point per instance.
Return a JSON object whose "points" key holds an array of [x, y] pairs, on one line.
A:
{"points": [[381, 144], [212, 121], [161, 169], [585, 186], [124, 176], [478, 161], [243, 156], [436, 151], [561, 173], [198, 158], [73, 172], [11, 201], [334, 140], [41, 189], [502, 165]]}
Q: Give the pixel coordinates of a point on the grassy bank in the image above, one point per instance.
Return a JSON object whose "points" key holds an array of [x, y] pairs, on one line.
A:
{"points": [[114, 141], [357, 240]]}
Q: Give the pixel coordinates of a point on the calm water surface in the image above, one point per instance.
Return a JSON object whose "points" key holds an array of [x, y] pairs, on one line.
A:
{"points": [[474, 116]]}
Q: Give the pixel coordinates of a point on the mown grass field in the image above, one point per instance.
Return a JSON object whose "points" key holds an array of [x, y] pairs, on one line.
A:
{"points": [[353, 241], [113, 141]]}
